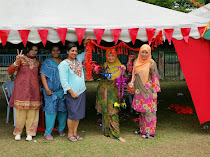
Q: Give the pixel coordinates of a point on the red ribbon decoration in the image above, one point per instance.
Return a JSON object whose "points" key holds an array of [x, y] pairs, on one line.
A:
{"points": [[80, 32], [3, 35], [99, 34], [185, 33], [169, 34], [150, 34], [43, 33], [88, 60], [24, 36], [201, 29], [133, 34], [62, 34], [116, 34], [157, 40]]}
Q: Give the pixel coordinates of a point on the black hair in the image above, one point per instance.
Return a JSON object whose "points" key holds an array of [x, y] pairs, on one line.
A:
{"points": [[54, 45], [29, 47], [70, 45]]}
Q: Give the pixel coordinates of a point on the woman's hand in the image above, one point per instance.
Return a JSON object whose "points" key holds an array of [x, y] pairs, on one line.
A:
{"points": [[73, 94], [130, 57], [19, 55], [49, 92], [154, 95], [87, 38], [130, 88], [130, 84], [123, 67]]}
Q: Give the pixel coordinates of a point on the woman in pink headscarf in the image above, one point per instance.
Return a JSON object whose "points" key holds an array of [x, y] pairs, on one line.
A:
{"points": [[145, 80]]}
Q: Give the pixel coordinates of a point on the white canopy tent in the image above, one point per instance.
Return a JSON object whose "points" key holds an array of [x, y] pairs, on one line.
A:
{"points": [[202, 12], [91, 14]]}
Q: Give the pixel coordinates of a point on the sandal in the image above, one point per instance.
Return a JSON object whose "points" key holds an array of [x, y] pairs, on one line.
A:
{"points": [[137, 132], [78, 138], [48, 137], [147, 136], [72, 138], [61, 133]]}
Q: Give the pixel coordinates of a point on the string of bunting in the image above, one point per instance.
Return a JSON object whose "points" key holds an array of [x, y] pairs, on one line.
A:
{"points": [[198, 4], [80, 32]]}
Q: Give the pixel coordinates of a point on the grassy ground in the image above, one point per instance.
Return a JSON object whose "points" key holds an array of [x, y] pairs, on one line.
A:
{"points": [[176, 135]]}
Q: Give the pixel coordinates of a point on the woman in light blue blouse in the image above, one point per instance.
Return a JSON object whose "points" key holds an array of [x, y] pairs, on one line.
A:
{"points": [[73, 83]]}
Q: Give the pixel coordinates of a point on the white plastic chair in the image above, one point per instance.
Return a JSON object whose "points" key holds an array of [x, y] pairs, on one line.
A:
{"points": [[7, 89]]}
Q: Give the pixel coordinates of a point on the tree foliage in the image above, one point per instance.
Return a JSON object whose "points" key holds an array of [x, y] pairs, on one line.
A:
{"points": [[207, 1], [179, 5]]}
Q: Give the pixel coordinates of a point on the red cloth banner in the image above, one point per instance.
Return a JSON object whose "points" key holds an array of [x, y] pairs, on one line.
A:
{"points": [[194, 58], [24, 36], [150, 34], [133, 34], [62, 34], [3, 35], [169, 34], [201, 29], [43, 35], [80, 32], [98, 34], [185, 33], [116, 34]]}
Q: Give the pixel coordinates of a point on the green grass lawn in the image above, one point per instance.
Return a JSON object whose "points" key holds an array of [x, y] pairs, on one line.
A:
{"points": [[176, 135]]}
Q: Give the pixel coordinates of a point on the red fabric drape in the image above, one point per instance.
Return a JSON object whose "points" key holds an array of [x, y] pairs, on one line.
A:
{"points": [[194, 58]]}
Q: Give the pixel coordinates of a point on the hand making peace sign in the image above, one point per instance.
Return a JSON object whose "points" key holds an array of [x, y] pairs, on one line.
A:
{"points": [[19, 55]]}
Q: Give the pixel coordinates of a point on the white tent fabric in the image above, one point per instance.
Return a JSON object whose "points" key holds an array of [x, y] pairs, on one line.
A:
{"points": [[91, 14], [202, 12]]}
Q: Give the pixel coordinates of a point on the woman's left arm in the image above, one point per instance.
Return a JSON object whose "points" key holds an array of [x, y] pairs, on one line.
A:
{"points": [[81, 57]]}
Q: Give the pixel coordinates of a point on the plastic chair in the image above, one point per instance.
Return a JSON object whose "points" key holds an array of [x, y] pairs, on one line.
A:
{"points": [[8, 86]]}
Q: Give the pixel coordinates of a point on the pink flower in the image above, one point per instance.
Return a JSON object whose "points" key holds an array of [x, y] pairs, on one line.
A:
{"points": [[147, 86]]}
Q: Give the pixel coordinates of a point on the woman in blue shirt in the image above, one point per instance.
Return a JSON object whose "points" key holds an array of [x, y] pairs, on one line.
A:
{"points": [[53, 94], [73, 83]]}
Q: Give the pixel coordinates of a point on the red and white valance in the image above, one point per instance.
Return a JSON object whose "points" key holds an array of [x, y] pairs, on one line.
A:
{"points": [[77, 34]]}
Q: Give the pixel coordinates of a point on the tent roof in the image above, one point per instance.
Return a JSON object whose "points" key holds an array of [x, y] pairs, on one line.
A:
{"points": [[202, 11], [51, 14]]}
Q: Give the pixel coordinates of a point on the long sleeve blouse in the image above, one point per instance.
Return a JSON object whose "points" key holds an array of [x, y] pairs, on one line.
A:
{"points": [[69, 79]]}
